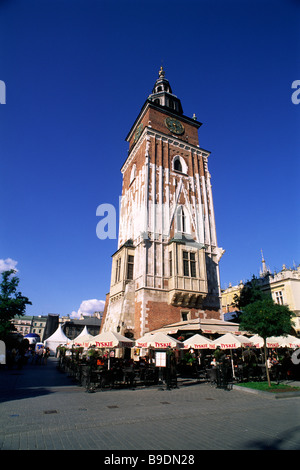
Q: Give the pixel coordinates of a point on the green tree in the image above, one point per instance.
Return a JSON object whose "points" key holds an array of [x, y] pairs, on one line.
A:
{"points": [[12, 302], [266, 318], [250, 293]]}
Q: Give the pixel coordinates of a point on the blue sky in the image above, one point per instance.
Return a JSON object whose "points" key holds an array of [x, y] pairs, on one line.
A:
{"points": [[77, 73]]}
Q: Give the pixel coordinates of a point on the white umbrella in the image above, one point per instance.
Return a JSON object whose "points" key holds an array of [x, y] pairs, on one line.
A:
{"points": [[230, 341], [257, 341], [295, 343], [244, 340], [83, 340], [111, 339], [158, 341], [198, 342], [273, 342], [282, 341]]}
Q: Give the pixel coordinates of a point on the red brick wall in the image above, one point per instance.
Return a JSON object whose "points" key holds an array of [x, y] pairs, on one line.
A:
{"points": [[161, 314]]}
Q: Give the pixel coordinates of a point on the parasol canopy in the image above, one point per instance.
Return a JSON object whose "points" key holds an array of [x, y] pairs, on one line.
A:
{"points": [[276, 341], [83, 340], [158, 341], [230, 341], [198, 342], [257, 341], [111, 339], [295, 343], [244, 340], [282, 341]]}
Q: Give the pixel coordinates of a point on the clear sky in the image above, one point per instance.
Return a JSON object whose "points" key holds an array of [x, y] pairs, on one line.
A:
{"points": [[77, 73]]}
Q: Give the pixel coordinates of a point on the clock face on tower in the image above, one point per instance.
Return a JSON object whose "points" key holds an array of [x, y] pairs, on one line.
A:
{"points": [[174, 126]]}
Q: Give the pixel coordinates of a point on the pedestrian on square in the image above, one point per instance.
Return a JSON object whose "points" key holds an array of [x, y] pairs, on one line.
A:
{"points": [[39, 355], [46, 354]]}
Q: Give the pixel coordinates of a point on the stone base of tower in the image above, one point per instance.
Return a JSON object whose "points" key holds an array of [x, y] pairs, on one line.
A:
{"points": [[149, 311]]}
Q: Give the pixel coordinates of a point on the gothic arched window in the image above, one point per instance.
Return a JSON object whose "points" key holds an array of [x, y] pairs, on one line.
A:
{"points": [[179, 164]]}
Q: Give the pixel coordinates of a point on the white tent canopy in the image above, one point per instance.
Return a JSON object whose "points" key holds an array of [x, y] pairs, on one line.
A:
{"points": [[83, 333], [56, 339]]}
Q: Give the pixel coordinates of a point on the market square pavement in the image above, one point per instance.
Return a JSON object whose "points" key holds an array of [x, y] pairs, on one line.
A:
{"points": [[44, 409]]}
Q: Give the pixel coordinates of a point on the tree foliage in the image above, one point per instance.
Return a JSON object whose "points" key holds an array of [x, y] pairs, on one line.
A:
{"points": [[261, 315], [266, 318], [12, 302], [250, 293]]}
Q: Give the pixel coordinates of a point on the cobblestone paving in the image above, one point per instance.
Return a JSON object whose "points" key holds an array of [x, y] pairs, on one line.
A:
{"points": [[43, 409]]}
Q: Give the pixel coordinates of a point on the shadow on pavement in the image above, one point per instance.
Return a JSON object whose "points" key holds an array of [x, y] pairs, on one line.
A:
{"points": [[31, 380], [278, 443], [21, 394]]}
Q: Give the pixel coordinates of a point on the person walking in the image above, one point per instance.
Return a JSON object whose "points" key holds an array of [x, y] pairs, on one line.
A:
{"points": [[46, 354]]}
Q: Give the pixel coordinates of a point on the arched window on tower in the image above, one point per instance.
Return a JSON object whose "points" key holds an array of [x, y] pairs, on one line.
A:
{"points": [[179, 164]]}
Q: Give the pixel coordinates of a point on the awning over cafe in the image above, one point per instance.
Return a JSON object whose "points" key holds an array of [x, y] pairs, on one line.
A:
{"points": [[201, 326]]}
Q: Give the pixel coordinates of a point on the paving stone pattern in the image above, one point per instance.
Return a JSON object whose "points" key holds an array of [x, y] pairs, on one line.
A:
{"points": [[41, 408]]}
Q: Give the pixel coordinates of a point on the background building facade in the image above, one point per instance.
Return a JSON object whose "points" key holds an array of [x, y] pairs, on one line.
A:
{"points": [[30, 324], [283, 287]]}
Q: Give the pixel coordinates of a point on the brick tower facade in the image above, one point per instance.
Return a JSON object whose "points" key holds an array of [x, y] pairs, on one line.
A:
{"points": [[166, 268]]}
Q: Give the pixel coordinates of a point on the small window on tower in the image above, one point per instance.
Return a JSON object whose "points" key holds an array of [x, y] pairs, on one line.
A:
{"points": [[130, 263], [170, 264], [118, 270]]}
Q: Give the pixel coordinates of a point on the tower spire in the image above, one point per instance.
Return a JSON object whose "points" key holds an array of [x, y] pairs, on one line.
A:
{"points": [[162, 94], [264, 270]]}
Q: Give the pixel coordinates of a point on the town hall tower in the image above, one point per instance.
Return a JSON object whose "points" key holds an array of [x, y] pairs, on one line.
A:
{"points": [[166, 267]]}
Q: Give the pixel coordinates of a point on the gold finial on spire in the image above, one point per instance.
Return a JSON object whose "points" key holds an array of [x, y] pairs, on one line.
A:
{"points": [[161, 72]]}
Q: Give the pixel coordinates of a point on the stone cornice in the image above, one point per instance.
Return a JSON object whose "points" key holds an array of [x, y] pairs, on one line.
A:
{"points": [[149, 132]]}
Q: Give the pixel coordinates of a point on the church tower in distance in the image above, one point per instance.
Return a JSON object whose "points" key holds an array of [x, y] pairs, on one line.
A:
{"points": [[166, 268]]}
